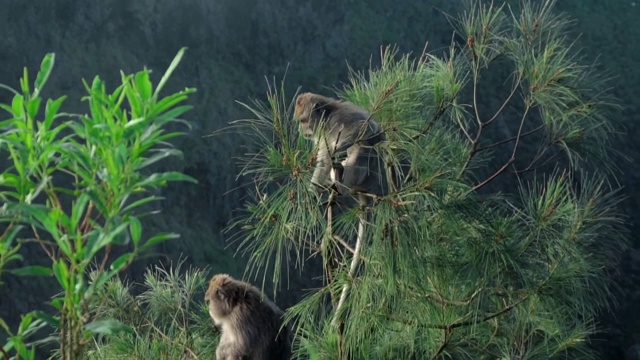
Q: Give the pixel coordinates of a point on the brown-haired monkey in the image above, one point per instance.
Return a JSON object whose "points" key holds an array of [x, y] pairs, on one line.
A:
{"points": [[341, 128], [251, 324]]}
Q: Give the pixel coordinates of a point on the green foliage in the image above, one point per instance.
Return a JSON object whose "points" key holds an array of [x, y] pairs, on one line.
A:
{"points": [[446, 265], [79, 183], [167, 318]]}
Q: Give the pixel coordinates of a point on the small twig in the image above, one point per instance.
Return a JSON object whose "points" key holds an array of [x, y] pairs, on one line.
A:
{"points": [[513, 153], [510, 139], [170, 340], [42, 243], [4, 353], [84, 226], [447, 336], [355, 261], [513, 91], [464, 130], [343, 243], [107, 252], [482, 125], [439, 113], [476, 70], [323, 246], [530, 167], [444, 301]]}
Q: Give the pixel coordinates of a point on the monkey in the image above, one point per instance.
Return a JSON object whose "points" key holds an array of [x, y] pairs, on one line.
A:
{"points": [[340, 128], [251, 324]]}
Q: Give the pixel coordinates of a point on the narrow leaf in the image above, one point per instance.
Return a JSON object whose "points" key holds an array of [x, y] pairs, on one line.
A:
{"points": [[45, 70], [31, 271], [143, 85], [141, 202], [170, 70], [135, 229], [61, 272], [158, 239], [107, 327], [51, 109], [122, 261]]}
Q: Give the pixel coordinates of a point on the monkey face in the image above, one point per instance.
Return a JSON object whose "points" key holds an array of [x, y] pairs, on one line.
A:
{"points": [[311, 112], [307, 131]]}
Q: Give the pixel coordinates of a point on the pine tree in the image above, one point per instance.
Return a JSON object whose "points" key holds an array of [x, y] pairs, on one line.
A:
{"points": [[499, 241]]}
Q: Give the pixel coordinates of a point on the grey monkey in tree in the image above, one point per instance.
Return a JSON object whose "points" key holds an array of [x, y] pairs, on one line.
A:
{"points": [[340, 129], [251, 324]]}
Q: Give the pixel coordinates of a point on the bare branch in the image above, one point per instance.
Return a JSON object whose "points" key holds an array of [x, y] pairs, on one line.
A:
{"points": [[513, 153], [355, 261], [525, 134]]}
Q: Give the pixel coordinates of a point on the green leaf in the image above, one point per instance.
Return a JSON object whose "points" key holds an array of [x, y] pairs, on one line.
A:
{"points": [[77, 210], [135, 229], [122, 261], [10, 235], [48, 318], [168, 102], [57, 303], [31, 271], [96, 92], [167, 74], [107, 327], [133, 97], [102, 240], [160, 154], [51, 110], [24, 82], [17, 106], [64, 244], [33, 105], [172, 114], [141, 202], [9, 180], [4, 326], [136, 121], [143, 85], [158, 239], [61, 272], [25, 321], [45, 70], [161, 178]]}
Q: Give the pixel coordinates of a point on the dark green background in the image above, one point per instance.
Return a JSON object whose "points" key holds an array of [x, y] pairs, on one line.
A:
{"points": [[233, 46]]}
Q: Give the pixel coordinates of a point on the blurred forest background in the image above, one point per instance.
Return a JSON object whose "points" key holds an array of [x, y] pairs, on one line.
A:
{"points": [[234, 47]]}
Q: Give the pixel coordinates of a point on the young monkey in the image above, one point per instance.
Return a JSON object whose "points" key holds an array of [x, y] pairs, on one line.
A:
{"points": [[337, 127], [251, 324]]}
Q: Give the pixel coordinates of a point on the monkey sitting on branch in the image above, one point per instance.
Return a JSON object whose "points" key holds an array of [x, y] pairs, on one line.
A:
{"points": [[341, 129], [251, 324]]}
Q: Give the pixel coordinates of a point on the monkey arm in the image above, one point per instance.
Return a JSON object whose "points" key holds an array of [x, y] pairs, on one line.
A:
{"points": [[322, 172], [355, 168]]}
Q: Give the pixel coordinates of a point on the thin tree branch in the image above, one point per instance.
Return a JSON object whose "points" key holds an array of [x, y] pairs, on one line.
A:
{"points": [[344, 243], [355, 261], [531, 168], [326, 257], [444, 301], [482, 125], [513, 91], [447, 337], [513, 153], [425, 130], [510, 140]]}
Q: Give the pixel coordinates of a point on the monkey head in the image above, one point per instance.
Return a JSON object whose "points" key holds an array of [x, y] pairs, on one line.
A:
{"points": [[222, 296], [311, 112]]}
